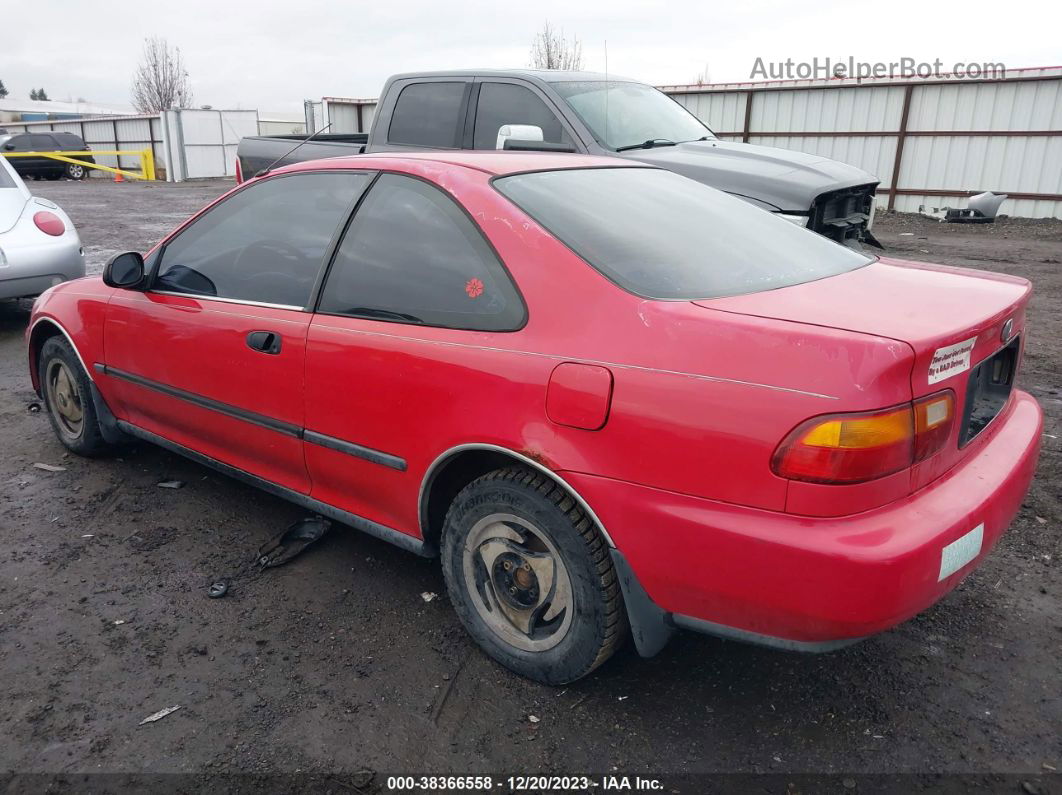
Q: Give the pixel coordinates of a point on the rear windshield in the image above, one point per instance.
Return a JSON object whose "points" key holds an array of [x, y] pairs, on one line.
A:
{"points": [[660, 235], [5, 179]]}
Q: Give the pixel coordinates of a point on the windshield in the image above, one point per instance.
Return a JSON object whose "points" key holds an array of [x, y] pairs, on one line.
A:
{"points": [[636, 113], [660, 235]]}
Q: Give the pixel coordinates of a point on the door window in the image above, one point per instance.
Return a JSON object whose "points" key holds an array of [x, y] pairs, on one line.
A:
{"points": [[265, 243], [427, 114], [411, 255], [41, 143], [508, 103]]}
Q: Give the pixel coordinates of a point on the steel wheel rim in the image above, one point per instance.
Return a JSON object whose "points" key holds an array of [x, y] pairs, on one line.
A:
{"points": [[64, 398], [518, 582]]}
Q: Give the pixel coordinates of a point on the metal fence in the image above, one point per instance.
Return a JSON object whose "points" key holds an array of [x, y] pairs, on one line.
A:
{"points": [[109, 133], [187, 144], [930, 142]]}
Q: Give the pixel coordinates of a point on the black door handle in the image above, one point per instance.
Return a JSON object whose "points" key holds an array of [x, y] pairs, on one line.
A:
{"points": [[264, 341]]}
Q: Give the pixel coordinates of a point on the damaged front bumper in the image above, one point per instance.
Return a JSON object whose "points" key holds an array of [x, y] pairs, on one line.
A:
{"points": [[845, 215]]}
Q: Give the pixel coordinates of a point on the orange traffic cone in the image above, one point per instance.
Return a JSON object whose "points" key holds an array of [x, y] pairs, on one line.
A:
{"points": [[118, 177]]}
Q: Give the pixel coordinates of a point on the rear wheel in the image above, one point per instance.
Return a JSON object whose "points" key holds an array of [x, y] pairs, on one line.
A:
{"points": [[531, 578], [54, 175], [66, 389]]}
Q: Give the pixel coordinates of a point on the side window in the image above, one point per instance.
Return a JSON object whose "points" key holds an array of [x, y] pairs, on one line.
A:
{"points": [[23, 143], [265, 243], [507, 103], [412, 256], [68, 141], [427, 114], [41, 143]]}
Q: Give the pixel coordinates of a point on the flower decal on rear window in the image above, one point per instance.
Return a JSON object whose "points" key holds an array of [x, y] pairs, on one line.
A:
{"points": [[474, 288]]}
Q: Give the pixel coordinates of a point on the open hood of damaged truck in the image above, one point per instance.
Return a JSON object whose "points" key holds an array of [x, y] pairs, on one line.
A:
{"points": [[784, 179]]}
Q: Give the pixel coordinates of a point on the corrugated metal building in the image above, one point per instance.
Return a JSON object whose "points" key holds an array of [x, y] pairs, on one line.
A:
{"points": [[931, 142], [15, 109]]}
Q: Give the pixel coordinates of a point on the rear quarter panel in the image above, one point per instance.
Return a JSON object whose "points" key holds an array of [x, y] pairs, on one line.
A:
{"points": [[700, 398]]}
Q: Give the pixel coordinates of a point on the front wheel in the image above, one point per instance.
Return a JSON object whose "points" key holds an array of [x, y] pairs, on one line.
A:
{"points": [[66, 390], [531, 577], [76, 171]]}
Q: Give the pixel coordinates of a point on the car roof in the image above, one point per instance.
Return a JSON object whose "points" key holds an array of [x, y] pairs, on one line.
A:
{"points": [[494, 163], [545, 75]]}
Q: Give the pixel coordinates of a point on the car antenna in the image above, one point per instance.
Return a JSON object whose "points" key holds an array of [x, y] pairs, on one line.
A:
{"points": [[269, 168], [606, 92]]}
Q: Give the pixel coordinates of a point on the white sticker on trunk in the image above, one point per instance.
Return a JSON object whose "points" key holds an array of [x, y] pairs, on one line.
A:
{"points": [[951, 360], [961, 551]]}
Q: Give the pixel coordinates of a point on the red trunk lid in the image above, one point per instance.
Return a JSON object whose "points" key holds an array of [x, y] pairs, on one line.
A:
{"points": [[953, 318]]}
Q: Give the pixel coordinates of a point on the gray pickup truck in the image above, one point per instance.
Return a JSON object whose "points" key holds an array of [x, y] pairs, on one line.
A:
{"points": [[592, 114]]}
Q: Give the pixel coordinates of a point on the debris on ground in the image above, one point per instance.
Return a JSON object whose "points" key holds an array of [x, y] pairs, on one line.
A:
{"points": [[162, 713], [293, 541], [427, 596], [533, 718], [218, 589], [34, 408], [171, 484], [49, 467]]}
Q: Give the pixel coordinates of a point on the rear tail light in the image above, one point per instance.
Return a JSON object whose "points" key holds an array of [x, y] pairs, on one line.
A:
{"points": [[852, 448], [49, 223], [239, 172]]}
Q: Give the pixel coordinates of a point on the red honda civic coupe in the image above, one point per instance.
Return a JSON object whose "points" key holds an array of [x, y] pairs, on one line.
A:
{"points": [[612, 399]]}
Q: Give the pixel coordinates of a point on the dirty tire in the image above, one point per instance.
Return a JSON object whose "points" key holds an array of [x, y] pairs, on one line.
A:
{"points": [[57, 355], [598, 620]]}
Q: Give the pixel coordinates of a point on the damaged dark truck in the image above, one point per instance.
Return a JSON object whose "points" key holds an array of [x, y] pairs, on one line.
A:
{"points": [[593, 114]]}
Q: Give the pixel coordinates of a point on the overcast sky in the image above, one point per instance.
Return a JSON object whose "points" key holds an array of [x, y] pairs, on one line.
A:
{"points": [[270, 55]]}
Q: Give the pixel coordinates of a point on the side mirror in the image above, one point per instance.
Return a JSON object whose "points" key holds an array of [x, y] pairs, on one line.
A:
{"points": [[518, 132], [124, 270], [9, 147]]}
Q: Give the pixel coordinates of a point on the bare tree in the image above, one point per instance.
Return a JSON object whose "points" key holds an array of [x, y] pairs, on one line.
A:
{"points": [[161, 81], [550, 50], [705, 76]]}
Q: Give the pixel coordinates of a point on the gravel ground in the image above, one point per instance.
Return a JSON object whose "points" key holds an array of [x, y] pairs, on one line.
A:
{"points": [[334, 665]]}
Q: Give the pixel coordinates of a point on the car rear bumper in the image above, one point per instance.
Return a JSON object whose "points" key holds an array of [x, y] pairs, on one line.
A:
{"points": [[32, 269], [817, 583]]}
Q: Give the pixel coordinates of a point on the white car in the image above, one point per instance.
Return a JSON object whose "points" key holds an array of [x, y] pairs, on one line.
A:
{"points": [[39, 246]]}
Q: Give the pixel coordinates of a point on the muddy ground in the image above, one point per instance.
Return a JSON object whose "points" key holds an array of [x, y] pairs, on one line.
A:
{"points": [[335, 665]]}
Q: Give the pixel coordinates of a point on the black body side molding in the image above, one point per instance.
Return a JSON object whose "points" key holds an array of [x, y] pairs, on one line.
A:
{"points": [[384, 533]]}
